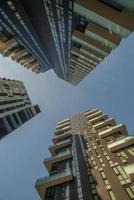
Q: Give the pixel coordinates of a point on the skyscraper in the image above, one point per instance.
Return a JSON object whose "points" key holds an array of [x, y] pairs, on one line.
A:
{"points": [[71, 37], [15, 106], [37, 41], [99, 27], [92, 158]]}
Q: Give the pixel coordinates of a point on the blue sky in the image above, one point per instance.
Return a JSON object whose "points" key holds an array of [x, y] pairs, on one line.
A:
{"points": [[109, 87]]}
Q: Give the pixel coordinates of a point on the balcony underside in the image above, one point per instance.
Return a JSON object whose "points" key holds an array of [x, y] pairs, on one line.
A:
{"points": [[110, 121], [52, 180], [121, 144], [116, 129], [59, 145], [60, 157], [61, 136]]}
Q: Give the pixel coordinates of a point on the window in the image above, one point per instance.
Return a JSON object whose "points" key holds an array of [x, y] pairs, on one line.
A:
{"points": [[130, 193], [112, 195]]}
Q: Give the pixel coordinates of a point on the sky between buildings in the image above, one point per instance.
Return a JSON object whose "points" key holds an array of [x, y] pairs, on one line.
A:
{"points": [[109, 87]]}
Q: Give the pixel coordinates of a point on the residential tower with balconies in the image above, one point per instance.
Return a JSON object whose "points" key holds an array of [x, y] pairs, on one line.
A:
{"points": [[92, 158], [15, 106]]}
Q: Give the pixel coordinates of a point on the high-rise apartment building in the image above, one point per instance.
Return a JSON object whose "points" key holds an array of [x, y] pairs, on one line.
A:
{"points": [[35, 34], [92, 158], [70, 36], [100, 26], [15, 106]]}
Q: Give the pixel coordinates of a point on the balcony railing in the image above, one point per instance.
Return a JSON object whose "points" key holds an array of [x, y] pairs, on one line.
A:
{"points": [[90, 112], [63, 121], [116, 129], [59, 145], [121, 143], [110, 121], [55, 179], [63, 125], [61, 136], [57, 158], [94, 115], [101, 117], [62, 130]]}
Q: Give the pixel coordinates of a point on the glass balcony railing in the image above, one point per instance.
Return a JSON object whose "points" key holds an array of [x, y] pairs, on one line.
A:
{"points": [[115, 129], [94, 115], [121, 143], [67, 152], [52, 178], [61, 136], [64, 125], [55, 179], [59, 145], [57, 158], [60, 131], [90, 112], [63, 121], [94, 120], [110, 121]]}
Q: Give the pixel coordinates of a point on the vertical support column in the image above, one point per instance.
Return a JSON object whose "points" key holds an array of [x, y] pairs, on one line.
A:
{"points": [[25, 111], [29, 109], [13, 121], [18, 117], [29, 112], [6, 124]]}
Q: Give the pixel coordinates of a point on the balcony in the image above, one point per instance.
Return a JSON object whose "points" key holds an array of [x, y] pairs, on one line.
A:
{"points": [[90, 112], [61, 136], [4, 46], [88, 42], [76, 51], [26, 60], [121, 144], [92, 53], [19, 53], [59, 145], [63, 121], [43, 183], [103, 15], [63, 125], [60, 131], [32, 64], [96, 119], [57, 158], [94, 115], [110, 121], [105, 37], [113, 130]]}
